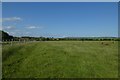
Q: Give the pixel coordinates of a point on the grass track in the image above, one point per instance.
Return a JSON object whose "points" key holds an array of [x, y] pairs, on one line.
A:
{"points": [[61, 59]]}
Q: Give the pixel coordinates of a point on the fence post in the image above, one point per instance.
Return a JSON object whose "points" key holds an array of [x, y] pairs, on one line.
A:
{"points": [[11, 42], [19, 41], [24, 40]]}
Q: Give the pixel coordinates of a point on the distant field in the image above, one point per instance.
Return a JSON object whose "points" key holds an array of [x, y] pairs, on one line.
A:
{"points": [[61, 59]]}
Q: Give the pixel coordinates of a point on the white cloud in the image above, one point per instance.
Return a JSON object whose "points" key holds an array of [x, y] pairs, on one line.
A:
{"points": [[12, 33], [26, 33], [10, 19], [8, 27], [33, 27]]}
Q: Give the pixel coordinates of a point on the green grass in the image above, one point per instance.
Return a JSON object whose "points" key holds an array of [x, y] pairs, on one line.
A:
{"points": [[61, 59]]}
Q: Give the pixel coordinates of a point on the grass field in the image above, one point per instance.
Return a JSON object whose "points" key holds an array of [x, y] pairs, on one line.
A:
{"points": [[61, 59]]}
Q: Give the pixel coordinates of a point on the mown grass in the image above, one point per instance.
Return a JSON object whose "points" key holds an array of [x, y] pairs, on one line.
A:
{"points": [[61, 59]]}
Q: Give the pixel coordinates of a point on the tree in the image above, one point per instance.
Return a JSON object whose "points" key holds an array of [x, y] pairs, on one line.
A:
{"points": [[5, 36]]}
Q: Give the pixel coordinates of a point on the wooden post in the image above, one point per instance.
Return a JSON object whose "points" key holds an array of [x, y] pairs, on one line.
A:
{"points": [[11, 42], [19, 41], [24, 41]]}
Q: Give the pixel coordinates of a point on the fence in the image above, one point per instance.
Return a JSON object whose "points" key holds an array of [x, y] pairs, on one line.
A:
{"points": [[8, 42]]}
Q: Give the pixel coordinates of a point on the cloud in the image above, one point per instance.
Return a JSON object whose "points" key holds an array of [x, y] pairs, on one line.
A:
{"points": [[12, 33], [33, 27], [10, 19], [8, 27]]}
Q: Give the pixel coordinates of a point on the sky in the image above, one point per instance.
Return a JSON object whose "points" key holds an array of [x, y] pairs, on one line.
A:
{"points": [[60, 1], [60, 19]]}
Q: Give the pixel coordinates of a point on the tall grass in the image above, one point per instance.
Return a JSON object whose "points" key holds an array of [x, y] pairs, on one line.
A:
{"points": [[61, 59]]}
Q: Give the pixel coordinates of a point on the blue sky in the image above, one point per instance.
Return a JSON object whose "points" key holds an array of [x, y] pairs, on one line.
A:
{"points": [[92, 19]]}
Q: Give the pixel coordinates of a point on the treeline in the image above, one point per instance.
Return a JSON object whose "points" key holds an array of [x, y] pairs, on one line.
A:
{"points": [[93, 38], [7, 37], [26, 38]]}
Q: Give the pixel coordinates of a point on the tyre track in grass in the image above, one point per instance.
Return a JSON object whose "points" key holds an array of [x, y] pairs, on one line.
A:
{"points": [[12, 63], [40, 63]]}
